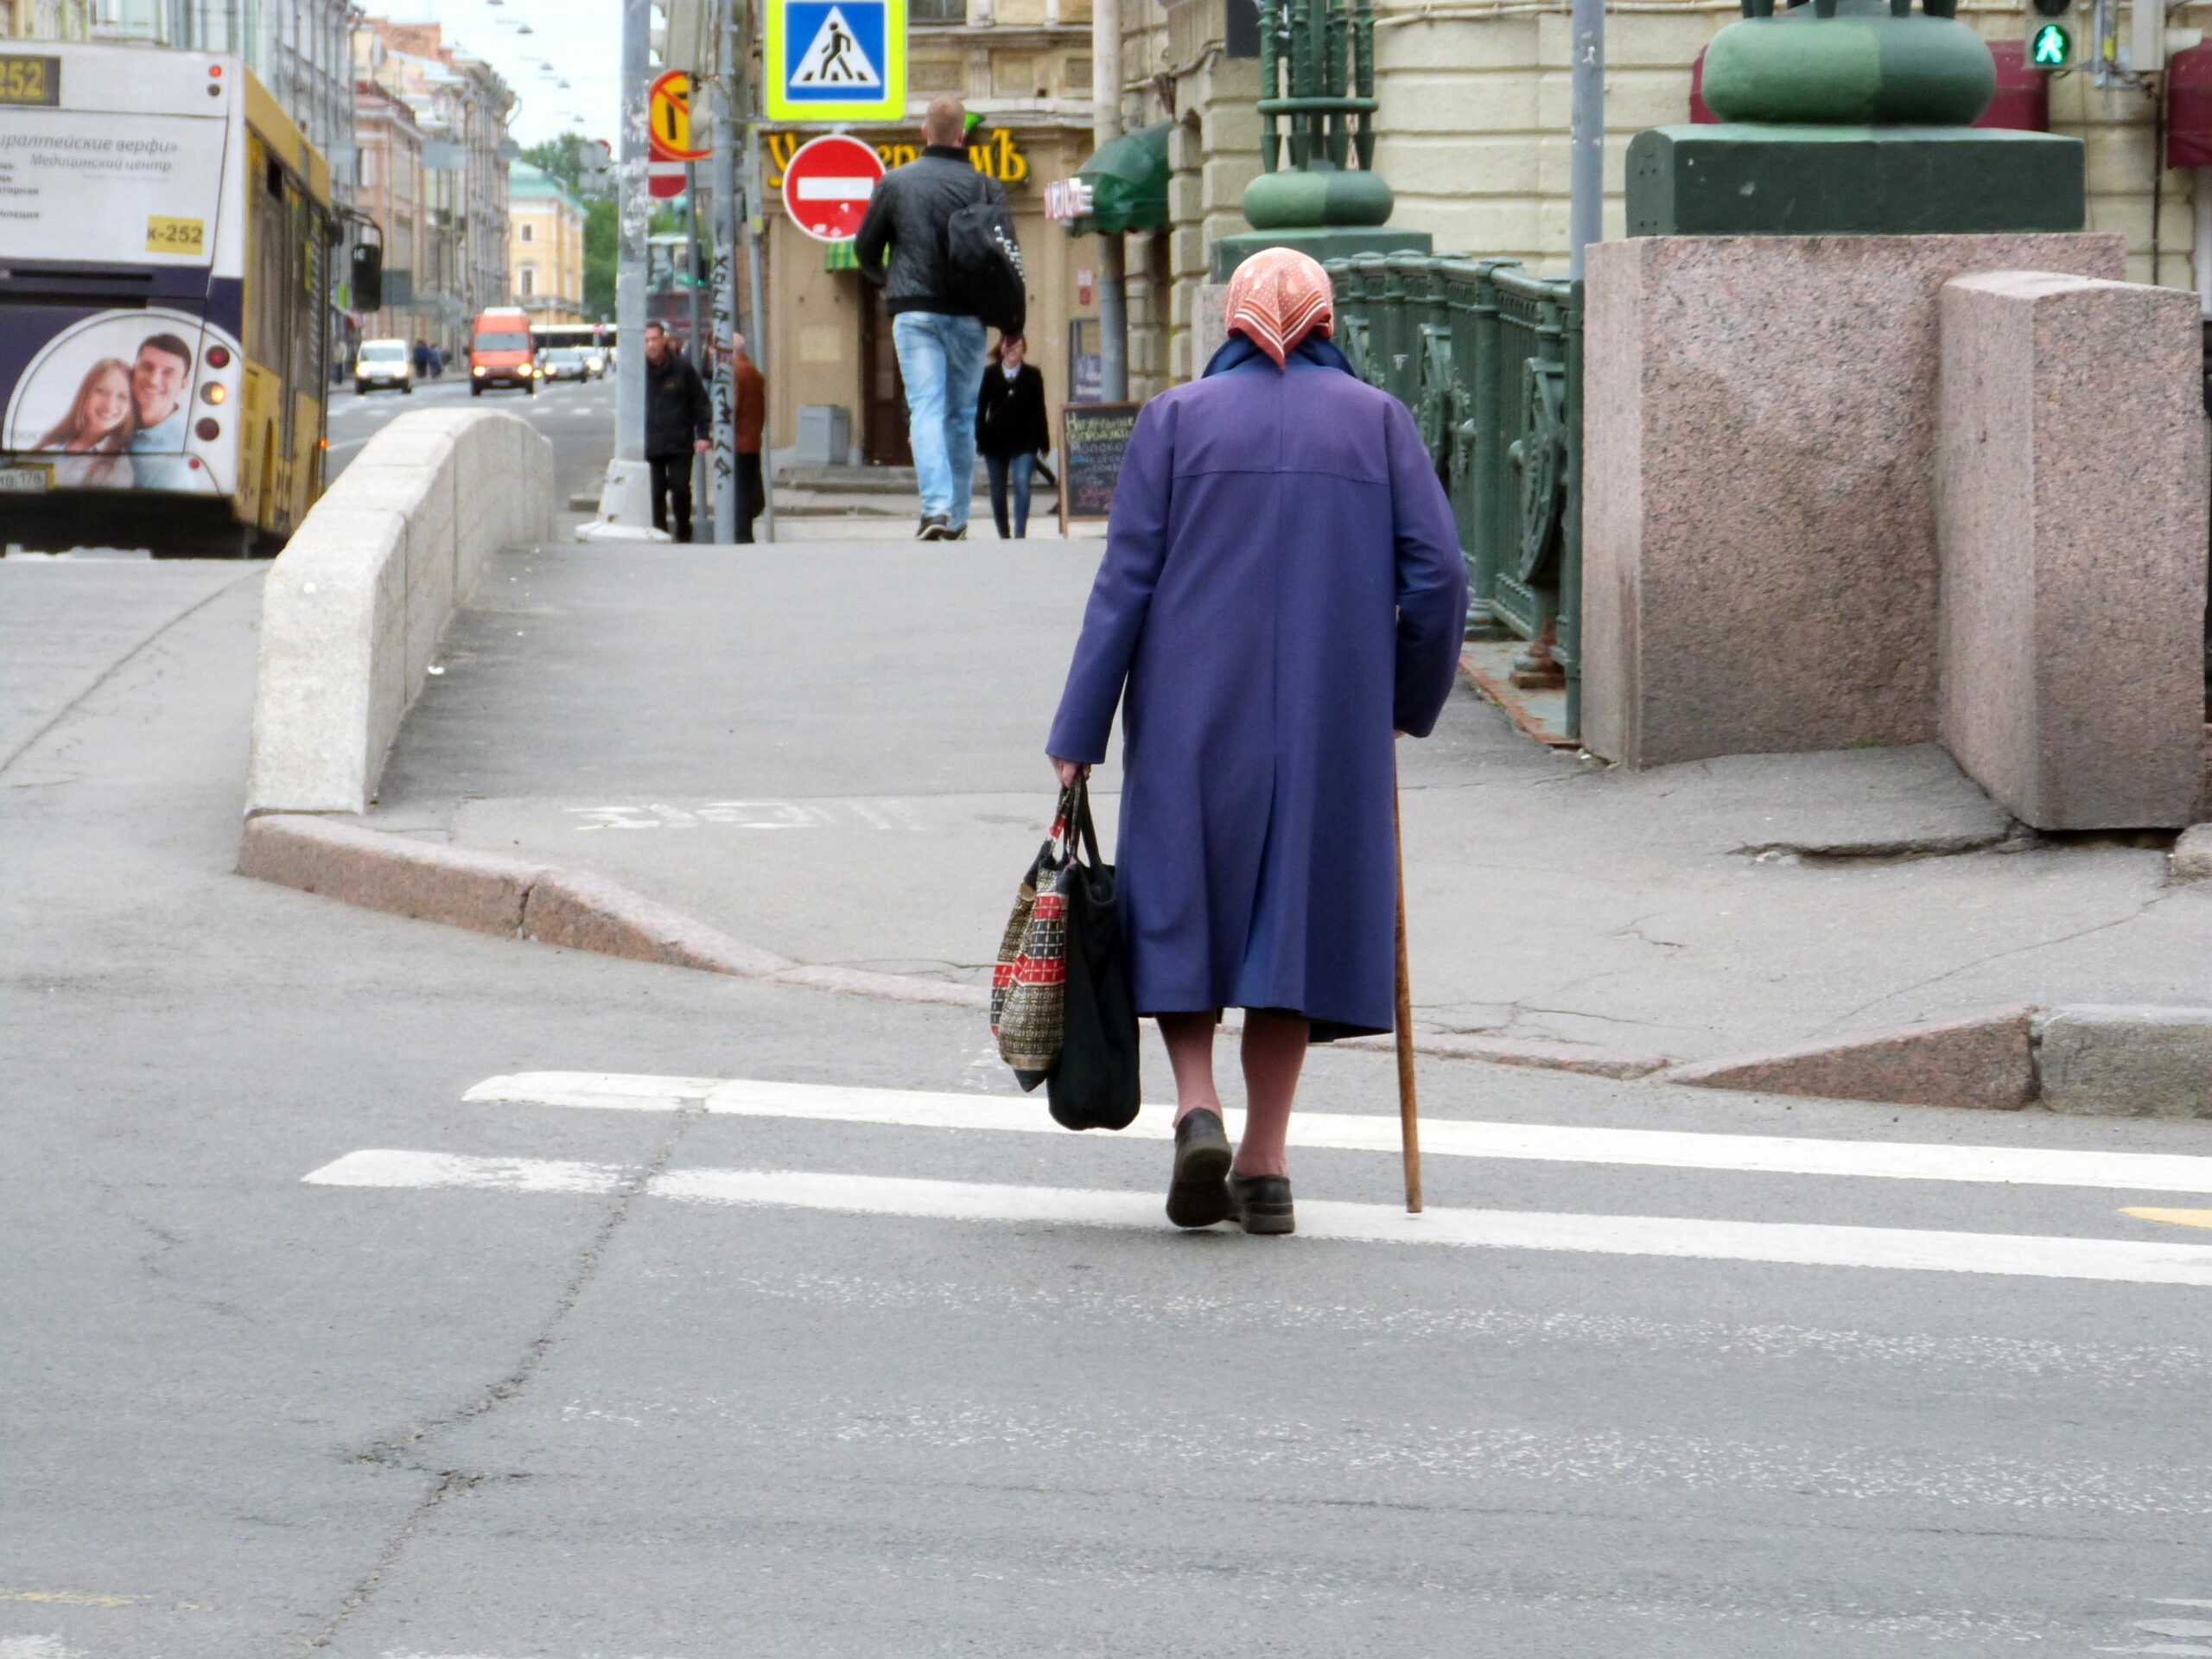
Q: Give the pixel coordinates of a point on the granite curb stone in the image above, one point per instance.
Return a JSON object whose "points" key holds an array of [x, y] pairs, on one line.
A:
{"points": [[2120, 1060], [484, 892], [1983, 1059], [2192, 854]]}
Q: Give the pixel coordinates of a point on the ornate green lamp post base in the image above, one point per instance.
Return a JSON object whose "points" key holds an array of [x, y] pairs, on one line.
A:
{"points": [[1324, 243], [1748, 178], [1317, 113], [1850, 118]]}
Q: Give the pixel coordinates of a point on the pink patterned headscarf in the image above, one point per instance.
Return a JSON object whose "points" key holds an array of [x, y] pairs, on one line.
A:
{"points": [[1277, 297]]}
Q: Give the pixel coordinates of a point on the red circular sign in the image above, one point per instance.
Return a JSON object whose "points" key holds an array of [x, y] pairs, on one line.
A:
{"points": [[827, 184]]}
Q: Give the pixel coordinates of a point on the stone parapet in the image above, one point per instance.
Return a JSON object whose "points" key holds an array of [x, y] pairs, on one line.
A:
{"points": [[2072, 527], [1759, 568], [355, 606]]}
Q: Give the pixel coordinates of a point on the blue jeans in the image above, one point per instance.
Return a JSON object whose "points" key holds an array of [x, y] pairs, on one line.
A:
{"points": [[941, 359], [1012, 469]]}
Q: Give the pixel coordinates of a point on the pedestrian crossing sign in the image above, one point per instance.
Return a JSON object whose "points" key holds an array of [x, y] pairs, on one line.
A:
{"points": [[836, 60]]}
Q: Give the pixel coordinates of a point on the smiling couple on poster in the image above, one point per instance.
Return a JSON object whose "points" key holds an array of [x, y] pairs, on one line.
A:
{"points": [[129, 412]]}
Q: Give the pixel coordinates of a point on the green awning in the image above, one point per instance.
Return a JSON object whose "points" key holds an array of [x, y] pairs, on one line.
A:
{"points": [[1128, 183]]}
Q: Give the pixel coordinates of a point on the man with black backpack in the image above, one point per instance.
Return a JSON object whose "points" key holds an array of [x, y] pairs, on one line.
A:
{"points": [[938, 239]]}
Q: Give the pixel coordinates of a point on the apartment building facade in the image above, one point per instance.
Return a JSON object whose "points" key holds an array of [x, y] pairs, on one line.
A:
{"points": [[545, 245], [460, 106]]}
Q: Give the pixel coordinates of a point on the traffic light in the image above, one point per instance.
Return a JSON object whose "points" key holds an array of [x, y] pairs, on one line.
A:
{"points": [[2051, 8], [2050, 46]]}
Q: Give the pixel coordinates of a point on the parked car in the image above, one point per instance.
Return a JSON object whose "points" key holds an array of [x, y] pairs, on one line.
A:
{"points": [[383, 363], [567, 363]]}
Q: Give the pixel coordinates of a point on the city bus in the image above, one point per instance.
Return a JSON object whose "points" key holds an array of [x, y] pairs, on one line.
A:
{"points": [[165, 245]]}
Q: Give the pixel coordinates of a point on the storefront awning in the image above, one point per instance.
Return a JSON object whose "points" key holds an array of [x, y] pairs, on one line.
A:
{"points": [[1127, 184]]}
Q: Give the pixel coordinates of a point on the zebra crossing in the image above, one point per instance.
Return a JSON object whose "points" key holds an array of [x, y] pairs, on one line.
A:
{"points": [[2138, 1261]]}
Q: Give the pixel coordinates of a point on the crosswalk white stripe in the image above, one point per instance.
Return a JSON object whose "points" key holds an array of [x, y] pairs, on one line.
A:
{"points": [[2133, 1171], [1793, 1243]]}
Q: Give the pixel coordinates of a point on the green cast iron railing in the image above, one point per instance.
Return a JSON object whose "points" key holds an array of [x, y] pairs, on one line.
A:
{"points": [[1488, 359]]}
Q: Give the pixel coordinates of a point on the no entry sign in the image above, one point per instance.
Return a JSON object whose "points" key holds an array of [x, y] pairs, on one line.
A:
{"points": [[827, 184]]}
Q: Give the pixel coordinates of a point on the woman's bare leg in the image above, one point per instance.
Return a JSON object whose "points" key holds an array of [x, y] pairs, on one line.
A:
{"points": [[1189, 1038], [1274, 1051]]}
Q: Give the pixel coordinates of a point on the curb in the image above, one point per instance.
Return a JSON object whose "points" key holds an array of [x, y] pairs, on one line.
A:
{"points": [[2118, 1061], [514, 898]]}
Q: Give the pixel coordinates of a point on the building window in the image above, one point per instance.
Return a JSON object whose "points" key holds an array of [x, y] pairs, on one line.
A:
{"points": [[938, 11], [529, 231], [529, 281]]}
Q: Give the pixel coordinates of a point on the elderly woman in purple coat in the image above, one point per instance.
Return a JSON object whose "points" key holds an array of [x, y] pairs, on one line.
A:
{"points": [[1282, 592]]}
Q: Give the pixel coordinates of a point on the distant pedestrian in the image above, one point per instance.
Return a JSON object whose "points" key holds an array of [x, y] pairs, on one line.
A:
{"points": [[1281, 590], [1012, 430], [902, 247], [420, 357], [679, 414], [749, 415]]}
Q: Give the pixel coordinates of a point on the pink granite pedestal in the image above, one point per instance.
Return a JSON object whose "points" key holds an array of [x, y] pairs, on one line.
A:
{"points": [[1759, 544], [2071, 534]]}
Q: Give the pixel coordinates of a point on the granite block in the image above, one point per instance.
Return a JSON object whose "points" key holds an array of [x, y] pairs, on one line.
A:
{"points": [[2121, 1061], [1981, 1060], [1759, 569], [452, 884], [2071, 529], [2192, 854]]}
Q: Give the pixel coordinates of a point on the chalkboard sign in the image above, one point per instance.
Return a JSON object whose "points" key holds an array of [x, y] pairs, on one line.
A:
{"points": [[1092, 438]]}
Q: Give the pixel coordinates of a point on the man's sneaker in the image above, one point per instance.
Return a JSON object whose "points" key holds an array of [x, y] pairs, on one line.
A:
{"points": [[959, 535], [934, 529]]}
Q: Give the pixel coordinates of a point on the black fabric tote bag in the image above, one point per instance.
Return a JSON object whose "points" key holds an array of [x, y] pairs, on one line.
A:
{"points": [[1094, 1086]]}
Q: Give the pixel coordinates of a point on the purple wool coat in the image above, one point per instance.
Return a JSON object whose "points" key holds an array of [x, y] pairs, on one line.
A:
{"points": [[1282, 587]]}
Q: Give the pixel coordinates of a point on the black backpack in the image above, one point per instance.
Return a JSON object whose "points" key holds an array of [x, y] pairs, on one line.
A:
{"points": [[984, 258]]}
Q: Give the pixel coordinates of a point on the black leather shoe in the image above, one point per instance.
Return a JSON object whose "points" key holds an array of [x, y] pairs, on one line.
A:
{"points": [[1198, 1195], [1263, 1203]]}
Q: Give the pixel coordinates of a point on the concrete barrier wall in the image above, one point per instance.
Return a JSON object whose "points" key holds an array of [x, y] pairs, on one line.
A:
{"points": [[353, 608]]}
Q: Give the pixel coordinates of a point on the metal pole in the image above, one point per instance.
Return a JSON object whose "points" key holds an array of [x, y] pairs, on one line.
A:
{"points": [[756, 310], [724, 459], [701, 477], [1586, 213], [1105, 127], [634, 199]]}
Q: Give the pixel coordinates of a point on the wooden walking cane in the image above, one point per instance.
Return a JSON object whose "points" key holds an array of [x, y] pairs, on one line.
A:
{"points": [[1409, 1105]]}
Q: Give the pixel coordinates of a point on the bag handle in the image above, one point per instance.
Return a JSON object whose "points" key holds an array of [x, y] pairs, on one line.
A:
{"points": [[1080, 790]]}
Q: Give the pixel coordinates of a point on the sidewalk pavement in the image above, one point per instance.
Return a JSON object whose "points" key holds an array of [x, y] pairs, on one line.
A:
{"points": [[835, 751]]}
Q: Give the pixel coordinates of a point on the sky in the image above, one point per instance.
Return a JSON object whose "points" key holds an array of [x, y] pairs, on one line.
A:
{"points": [[581, 38]]}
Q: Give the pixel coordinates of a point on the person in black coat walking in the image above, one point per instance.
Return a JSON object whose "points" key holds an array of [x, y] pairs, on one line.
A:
{"points": [[680, 416], [1011, 429]]}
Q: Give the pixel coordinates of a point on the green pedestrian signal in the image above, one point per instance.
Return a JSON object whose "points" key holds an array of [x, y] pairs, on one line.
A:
{"points": [[2049, 48]]}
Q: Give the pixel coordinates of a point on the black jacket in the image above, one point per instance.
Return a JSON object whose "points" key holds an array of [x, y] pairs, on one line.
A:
{"points": [[1010, 418], [677, 408], [906, 218]]}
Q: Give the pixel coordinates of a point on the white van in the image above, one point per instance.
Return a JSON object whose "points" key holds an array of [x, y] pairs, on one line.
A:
{"points": [[383, 363]]}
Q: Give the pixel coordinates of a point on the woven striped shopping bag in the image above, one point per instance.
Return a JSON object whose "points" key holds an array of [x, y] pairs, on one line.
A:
{"points": [[1029, 983]]}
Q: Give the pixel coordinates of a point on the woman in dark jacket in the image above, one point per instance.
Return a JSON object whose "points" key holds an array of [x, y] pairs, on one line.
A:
{"points": [[1011, 428], [1281, 592]]}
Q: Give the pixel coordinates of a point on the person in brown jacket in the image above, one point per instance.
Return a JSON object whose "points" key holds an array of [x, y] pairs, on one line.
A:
{"points": [[750, 417]]}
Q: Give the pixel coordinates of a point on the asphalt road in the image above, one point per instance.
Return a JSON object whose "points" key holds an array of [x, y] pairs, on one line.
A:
{"points": [[550, 1381], [578, 417]]}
